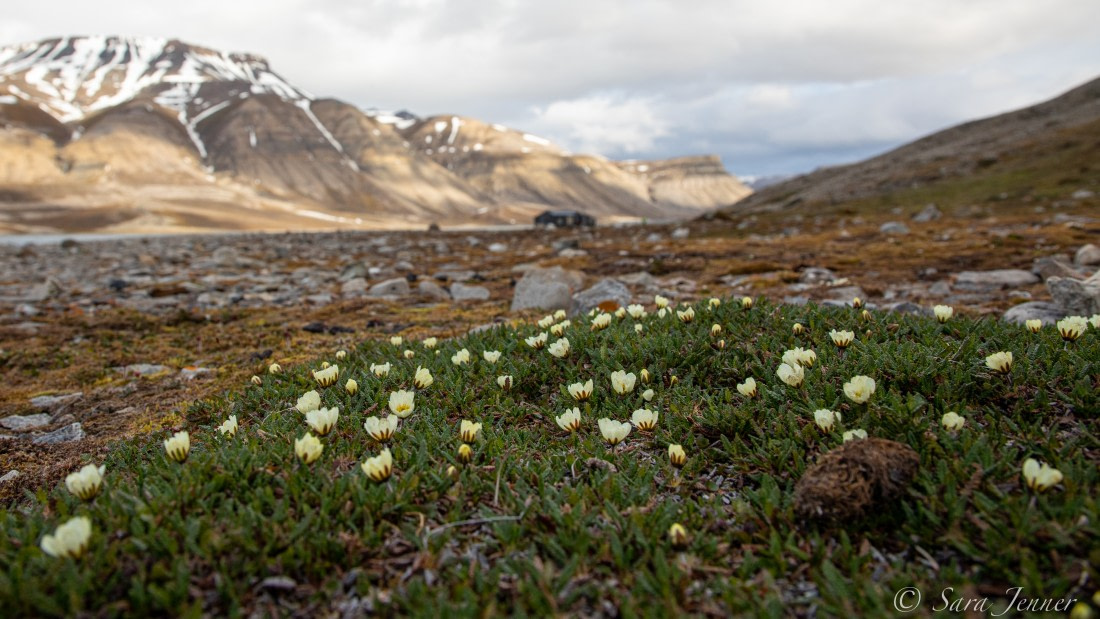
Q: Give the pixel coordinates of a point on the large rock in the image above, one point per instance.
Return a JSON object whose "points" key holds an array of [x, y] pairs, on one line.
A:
{"points": [[64, 434], [55, 404], [606, 290], [1087, 256], [25, 422], [1053, 266], [463, 292], [433, 290], [396, 287], [1075, 296], [354, 287], [998, 279], [1049, 313], [550, 288]]}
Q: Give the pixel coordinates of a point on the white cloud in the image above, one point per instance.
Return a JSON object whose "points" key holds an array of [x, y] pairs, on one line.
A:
{"points": [[601, 124]]}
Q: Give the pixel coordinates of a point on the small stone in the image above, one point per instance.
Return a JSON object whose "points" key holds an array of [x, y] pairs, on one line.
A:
{"points": [[680, 233], [356, 287], [1082, 194], [433, 290], [356, 270], [323, 298], [462, 292], [607, 290], [497, 248], [65, 434], [907, 307], [929, 213], [1049, 313], [550, 288], [995, 280], [396, 287], [1053, 266], [190, 373], [894, 228], [11, 475], [55, 403], [1087, 256], [278, 583], [25, 422], [816, 275], [572, 253], [143, 369]]}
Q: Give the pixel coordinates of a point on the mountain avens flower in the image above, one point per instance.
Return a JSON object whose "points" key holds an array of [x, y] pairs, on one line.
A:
{"points": [[1034, 325], [401, 403], [396, 340], [800, 356], [676, 455], [746, 302], [1072, 327], [351, 386], [677, 535], [492, 356], [423, 378], [635, 311], [638, 329], [645, 376], [538, 341], [747, 388], [687, 315], [842, 339], [178, 446], [865, 315], [84, 484], [465, 453], [545, 321], [854, 435], [1040, 476], [793, 375], [661, 313], [310, 401], [825, 419], [622, 383], [326, 376], [559, 314], [70, 539], [430, 342], [560, 348], [648, 394], [613, 431], [380, 369], [1000, 362], [274, 368], [798, 329], [462, 357], [570, 420], [644, 419], [859, 389], [380, 467], [857, 302], [715, 330], [504, 381], [719, 345], [1094, 320], [943, 312], [229, 427], [581, 391], [308, 448], [601, 321], [468, 431], [325, 365], [952, 421], [341, 354], [661, 302], [381, 429], [408, 353], [256, 380], [557, 330], [620, 313], [714, 302], [323, 420]]}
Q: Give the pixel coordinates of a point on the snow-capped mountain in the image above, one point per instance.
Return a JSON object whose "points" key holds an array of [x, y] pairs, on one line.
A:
{"points": [[97, 121]]}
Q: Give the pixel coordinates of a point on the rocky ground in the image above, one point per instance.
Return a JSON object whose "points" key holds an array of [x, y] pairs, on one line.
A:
{"points": [[100, 340]]}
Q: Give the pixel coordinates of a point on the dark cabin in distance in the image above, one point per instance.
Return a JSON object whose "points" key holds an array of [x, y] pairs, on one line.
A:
{"points": [[564, 219]]}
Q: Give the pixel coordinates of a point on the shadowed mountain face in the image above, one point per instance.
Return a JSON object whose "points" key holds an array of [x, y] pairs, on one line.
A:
{"points": [[179, 136]]}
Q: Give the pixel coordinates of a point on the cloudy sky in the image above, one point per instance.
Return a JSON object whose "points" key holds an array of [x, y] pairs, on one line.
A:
{"points": [[772, 87]]}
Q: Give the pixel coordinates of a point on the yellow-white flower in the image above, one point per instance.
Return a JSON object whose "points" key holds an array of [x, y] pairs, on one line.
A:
{"points": [[557, 330], [746, 302], [381, 429], [676, 455], [857, 302], [661, 313], [748, 388], [659, 301], [84, 484], [613, 431], [943, 312], [714, 302], [70, 539], [538, 341], [308, 448], [274, 368], [423, 378], [461, 357], [326, 376], [842, 338], [635, 311], [1000, 362], [953, 421], [825, 419], [430, 342], [1034, 325], [645, 376], [465, 453], [505, 381], [325, 364], [1094, 320], [620, 313], [687, 315], [581, 391], [351, 386], [800, 356], [715, 330], [853, 435], [492, 356], [559, 314], [622, 383], [229, 426], [323, 420], [1040, 476], [380, 369], [468, 431], [310, 401], [545, 321], [401, 403], [638, 329], [677, 535], [1072, 327], [859, 389], [380, 467], [793, 375], [408, 354], [644, 419], [601, 321], [570, 420], [178, 446], [256, 380], [798, 329], [560, 348], [647, 395], [396, 340], [341, 354]]}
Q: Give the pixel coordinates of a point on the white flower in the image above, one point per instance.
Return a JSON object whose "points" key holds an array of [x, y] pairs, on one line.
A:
{"points": [[676, 455], [746, 302], [84, 484], [423, 378], [310, 401], [660, 301], [644, 419], [401, 403], [638, 328], [859, 389], [1040, 476], [492, 356], [715, 330], [613, 431], [825, 419], [341, 354], [1094, 320], [274, 368], [1034, 325], [560, 348], [381, 429], [538, 341], [953, 421], [468, 431], [661, 313], [505, 381], [647, 395], [408, 354], [351, 386], [623, 383], [748, 388], [570, 420], [380, 369], [943, 312], [852, 435], [465, 453], [635, 311], [793, 375], [800, 356], [308, 448], [256, 380], [999, 362], [322, 420], [1072, 327], [70, 539], [842, 338], [581, 391], [178, 446], [326, 376], [714, 302], [797, 328], [461, 357], [229, 426], [559, 314], [380, 467], [430, 342], [620, 313], [601, 321], [687, 315], [546, 321], [396, 340]]}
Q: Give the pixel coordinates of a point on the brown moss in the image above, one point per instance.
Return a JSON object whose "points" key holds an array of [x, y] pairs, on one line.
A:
{"points": [[855, 479]]}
